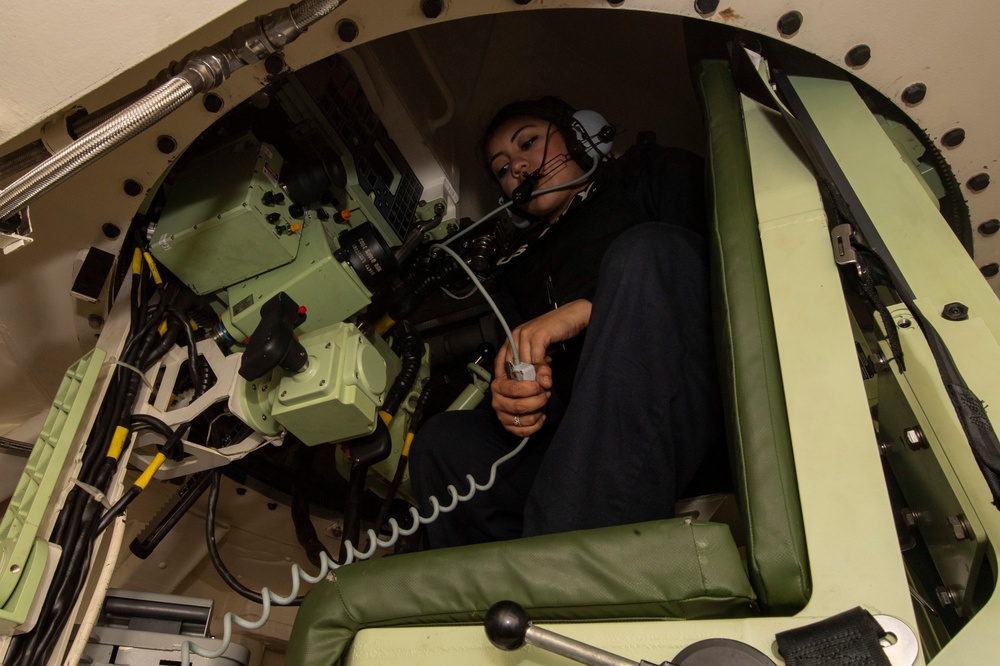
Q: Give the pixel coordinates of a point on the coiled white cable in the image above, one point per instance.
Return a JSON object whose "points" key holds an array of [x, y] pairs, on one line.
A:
{"points": [[351, 552]]}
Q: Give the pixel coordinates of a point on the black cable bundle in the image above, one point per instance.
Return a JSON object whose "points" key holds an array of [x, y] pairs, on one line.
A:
{"points": [[82, 517]]}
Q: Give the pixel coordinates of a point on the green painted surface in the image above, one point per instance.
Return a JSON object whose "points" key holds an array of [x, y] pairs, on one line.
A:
{"points": [[22, 554]]}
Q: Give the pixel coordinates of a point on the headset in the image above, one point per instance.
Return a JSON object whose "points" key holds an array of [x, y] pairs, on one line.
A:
{"points": [[589, 138]]}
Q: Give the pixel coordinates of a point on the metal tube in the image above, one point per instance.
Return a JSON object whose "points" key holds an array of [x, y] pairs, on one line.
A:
{"points": [[93, 145], [571, 649], [204, 71], [22, 158]]}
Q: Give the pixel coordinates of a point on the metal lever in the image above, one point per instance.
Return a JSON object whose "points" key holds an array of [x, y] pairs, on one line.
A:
{"points": [[508, 627]]}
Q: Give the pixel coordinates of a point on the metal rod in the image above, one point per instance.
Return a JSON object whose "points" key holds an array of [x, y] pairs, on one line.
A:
{"points": [[571, 649]]}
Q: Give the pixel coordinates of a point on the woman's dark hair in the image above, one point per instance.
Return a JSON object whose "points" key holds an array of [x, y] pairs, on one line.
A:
{"points": [[551, 109]]}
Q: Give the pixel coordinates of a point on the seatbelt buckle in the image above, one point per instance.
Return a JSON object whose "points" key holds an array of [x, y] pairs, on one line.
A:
{"points": [[843, 252]]}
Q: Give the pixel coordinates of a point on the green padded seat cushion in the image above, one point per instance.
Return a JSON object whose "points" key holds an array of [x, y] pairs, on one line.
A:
{"points": [[648, 571], [756, 420]]}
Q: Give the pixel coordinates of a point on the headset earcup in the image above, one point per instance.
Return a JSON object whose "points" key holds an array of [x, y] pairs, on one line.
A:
{"points": [[594, 133]]}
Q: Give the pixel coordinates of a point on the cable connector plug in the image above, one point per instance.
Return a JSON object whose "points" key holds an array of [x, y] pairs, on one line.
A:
{"points": [[521, 371]]}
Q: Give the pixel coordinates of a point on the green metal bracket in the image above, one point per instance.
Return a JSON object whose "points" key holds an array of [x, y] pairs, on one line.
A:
{"points": [[22, 552]]}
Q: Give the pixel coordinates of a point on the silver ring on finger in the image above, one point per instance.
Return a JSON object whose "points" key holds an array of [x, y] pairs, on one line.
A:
{"points": [[517, 421]]}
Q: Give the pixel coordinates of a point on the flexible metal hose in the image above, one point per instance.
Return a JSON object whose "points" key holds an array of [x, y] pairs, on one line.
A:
{"points": [[204, 71], [22, 158], [89, 147]]}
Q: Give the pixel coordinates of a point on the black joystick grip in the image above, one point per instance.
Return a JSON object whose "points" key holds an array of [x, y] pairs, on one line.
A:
{"points": [[506, 625], [273, 342]]}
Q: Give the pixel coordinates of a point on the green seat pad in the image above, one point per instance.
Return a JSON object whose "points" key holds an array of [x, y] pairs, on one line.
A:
{"points": [[756, 420], [648, 571]]}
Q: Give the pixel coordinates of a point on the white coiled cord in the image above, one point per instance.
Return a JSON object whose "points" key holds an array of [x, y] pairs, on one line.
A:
{"points": [[352, 554]]}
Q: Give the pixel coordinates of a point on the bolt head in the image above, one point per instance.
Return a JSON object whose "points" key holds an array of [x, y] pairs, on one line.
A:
{"points": [[979, 182], [989, 227], [953, 138], [915, 438], [955, 312], [706, 6], [859, 55], [945, 596], [790, 23], [960, 527], [915, 93]]}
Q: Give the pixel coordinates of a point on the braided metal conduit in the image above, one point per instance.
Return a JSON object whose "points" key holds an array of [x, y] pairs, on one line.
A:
{"points": [[203, 71]]}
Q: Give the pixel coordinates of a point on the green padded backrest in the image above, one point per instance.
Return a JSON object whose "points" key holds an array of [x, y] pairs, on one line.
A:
{"points": [[756, 420], [648, 571]]}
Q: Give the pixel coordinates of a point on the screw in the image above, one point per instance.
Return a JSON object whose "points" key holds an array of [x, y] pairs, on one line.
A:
{"points": [[322, 382], [955, 312], [15, 569], [111, 231], [284, 393], [328, 345], [878, 360], [790, 23], [915, 93], [946, 596], [990, 270], [706, 6], [264, 387], [989, 227], [903, 322], [910, 516], [884, 447], [914, 438], [347, 30], [960, 527], [953, 138], [979, 182], [95, 321], [452, 228], [859, 55]]}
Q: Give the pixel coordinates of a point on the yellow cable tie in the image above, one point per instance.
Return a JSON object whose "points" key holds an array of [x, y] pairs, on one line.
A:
{"points": [[386, 416], [194, 324], [384, 324], [117, 442], [406, 444], [137, 261], [152, 268], [150, 470], [162, 330]]}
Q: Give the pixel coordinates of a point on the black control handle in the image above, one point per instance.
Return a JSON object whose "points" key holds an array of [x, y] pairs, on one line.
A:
{"points": [[508, 627], [273, 342]]}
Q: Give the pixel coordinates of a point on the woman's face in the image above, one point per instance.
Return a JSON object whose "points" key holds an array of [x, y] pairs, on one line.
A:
{"points": [[518, 147]]}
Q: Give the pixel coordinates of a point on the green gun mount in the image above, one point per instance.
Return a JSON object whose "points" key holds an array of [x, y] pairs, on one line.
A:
{"points": [[334, 398], [227, 219]]}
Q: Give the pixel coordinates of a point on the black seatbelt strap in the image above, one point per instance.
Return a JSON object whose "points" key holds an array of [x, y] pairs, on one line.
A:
{"points": [[850, 638], [972, 415]]}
